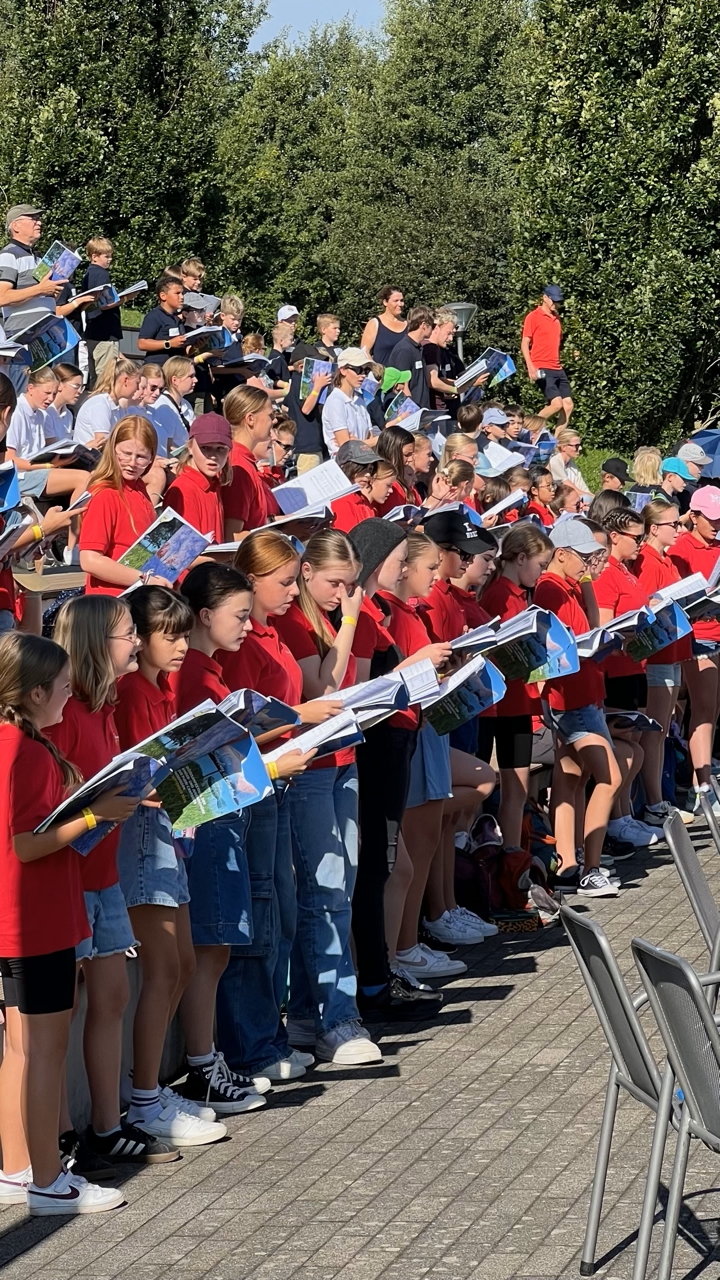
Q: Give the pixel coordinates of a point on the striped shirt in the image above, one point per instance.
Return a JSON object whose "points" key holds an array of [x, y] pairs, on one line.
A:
{"points": [[17, 263]]}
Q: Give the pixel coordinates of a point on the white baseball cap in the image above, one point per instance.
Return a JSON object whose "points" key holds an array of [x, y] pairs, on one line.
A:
{"points": [[693, 453], [574, 536], [287, 313]]}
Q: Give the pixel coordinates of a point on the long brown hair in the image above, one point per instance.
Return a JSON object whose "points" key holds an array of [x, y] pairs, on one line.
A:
{"points": [[329, 546], [263, 552], [26, 663], [84, 626]]}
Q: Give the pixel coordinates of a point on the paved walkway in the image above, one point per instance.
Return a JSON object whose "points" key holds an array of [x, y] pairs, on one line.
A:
{"points": [[467, 1156]]}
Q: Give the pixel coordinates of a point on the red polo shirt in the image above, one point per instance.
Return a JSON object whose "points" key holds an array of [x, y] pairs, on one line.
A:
{"points": [[142, 708], [618, 589], [295, 630], [352, 510], [655, 571], [247, 498], [199, 678], [475, 615], [197, 499], [113, 521], [397, 497], [89, 740], [263, 662], [409, 633], [545, 334], [445, 614], [504, 599], [545, 514], [42, 908], [690, 555], [586, 687]]}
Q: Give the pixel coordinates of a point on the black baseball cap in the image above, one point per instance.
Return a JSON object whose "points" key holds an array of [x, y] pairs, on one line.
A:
{"points": [[452, 528], [617, 468]]}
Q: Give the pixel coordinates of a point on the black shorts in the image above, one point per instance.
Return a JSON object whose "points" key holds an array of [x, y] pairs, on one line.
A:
{"points": [[554, 384], [626, 693], [40, 984], [513, 741]]}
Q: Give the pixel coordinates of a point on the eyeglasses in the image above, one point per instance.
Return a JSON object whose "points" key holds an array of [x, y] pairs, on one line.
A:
{"points": [[130, 637], [287, 448], [577, 445]]}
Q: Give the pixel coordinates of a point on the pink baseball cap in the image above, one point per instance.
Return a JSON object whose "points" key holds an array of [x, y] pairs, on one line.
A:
{"points": [[706, 501]]}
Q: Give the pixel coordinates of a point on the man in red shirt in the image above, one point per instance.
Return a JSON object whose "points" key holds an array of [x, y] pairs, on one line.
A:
{"points": [[540, 346]]}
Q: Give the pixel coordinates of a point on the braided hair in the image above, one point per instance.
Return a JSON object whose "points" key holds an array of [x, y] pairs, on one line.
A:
{"points": [[29, 662]]}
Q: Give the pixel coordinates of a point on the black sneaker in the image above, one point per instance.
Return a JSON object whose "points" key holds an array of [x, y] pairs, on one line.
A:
{"points": [[567, 881], [130, 1146], [423, 993], [214, 1085], [618, 850], [434, 943], [394, 1001], [78, 1157]]}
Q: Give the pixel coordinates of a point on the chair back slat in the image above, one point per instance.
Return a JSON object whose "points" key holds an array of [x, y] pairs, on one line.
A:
{"points": [[693, 878], [613, 1003], [687, 1027], [705, 804]]}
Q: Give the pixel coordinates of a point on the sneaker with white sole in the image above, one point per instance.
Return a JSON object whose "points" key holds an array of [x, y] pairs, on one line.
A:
{"points": [[70, 1195], [214, 1085], [594, 884], [348, 1045], [476, 922], [630, 831], [304, 1059], [13, 1186], [284, 1069], [301, 1032], [425, 963], [447, 929], [182, 1129], [169, 1098]]}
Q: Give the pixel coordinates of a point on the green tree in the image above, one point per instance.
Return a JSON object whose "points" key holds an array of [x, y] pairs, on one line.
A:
{"points": [[110, 118], [618, 199]]}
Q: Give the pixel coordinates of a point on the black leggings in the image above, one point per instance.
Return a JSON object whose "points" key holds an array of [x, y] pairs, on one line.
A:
{"points": [[383, 763], [40, 984]]}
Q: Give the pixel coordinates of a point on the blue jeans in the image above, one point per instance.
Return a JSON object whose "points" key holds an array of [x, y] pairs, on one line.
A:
{"points": [[324, 821], [252, 989]]}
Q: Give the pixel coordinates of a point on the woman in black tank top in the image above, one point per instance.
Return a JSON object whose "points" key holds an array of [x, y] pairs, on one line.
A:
{"points": [[385, 341], [386, 338]]}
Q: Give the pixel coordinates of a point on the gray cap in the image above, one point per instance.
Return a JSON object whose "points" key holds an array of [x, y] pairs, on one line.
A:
{"points": [[21, 211], [356, 451], [574, 536], [693, 453]]}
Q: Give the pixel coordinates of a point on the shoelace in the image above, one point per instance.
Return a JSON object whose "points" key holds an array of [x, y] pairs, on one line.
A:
{"points": [[221, 1079]]}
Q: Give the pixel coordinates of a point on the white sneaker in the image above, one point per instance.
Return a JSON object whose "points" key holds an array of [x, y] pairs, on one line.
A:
{"points": [[71, 556], [348, 1045], [596, 885], [177, 1126], [284, 1069], [425, 963], [303, 1059], [13, 1186], [630, 831], [484, 927], [714, 803], [70, 1194], [301, 1032], [448, 929], [169, 1098]]}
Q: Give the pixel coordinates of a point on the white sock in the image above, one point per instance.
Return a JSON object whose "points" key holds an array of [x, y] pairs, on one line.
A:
{"points": [[145, 1105], [202, 1059]]}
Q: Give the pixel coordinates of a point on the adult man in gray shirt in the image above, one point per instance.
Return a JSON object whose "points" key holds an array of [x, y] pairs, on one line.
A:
{"points": [[22, 299]]}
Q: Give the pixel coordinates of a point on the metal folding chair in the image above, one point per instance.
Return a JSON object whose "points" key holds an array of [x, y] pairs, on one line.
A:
{"points": [[706, 804], [633, 1069], [691, 1038], [695, 885]]}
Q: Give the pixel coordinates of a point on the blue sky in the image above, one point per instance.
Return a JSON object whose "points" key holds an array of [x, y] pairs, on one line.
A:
{"points": [[298, 18]]}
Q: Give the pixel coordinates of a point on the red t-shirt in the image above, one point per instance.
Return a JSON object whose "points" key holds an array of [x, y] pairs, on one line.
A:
{"points": [[247, 498], [397, 497], [409, 633], [586, 688], [199, 678], [475, 615], [692, 556], [42, 908], [89, 740], [295, 630], [445, 615], [654, 571], [545, 334], [618, 589], [113, 521], [197, 499], [504, 599], [264, 663], [351, 510], [142, 708], [545, 514]]}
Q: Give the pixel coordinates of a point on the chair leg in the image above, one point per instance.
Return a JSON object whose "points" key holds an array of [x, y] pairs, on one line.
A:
{"points": [[587, 1264], [674, 1204], [657, 1151]]}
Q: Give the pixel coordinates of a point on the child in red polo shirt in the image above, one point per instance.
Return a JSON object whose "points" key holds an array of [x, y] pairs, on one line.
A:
{"points": [[247, 501], [576, 710], [542, 492], [204, 471], [119, 511], [360, 464], [99, 635]]}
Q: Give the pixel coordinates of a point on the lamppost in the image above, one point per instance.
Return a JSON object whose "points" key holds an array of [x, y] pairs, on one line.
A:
{"points": [[464, 313]]}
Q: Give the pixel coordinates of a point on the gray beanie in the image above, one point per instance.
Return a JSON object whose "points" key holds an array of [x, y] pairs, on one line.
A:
{"points": [[373, 540]]}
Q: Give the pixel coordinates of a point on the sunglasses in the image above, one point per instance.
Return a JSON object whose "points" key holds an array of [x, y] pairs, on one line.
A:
{"points": [[636, 537], [287, 448], [465, 556], [668, 524]]}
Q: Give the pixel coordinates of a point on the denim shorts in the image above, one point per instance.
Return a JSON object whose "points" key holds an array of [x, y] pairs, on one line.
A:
{"points": [[219, 883], [7, 620], [430, 776], [151, 873], [32, 483], [573, 726], [664, 675], [110, 923]]}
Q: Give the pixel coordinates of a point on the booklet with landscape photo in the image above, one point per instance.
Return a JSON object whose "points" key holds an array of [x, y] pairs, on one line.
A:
{"points": [[258, 714], [310, 370], [401, 406], [534, 646], [208, 337], [464, 694], [669, 623], [48, 340], [167, 548], [59, 263], [491, 362]]}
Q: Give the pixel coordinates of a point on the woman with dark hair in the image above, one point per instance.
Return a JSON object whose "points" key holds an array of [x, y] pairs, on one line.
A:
{"points": [[383, 332]]}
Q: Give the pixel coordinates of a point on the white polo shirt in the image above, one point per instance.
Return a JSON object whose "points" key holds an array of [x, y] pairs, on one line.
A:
{"points": [[97, 415], [26, 433], [344, 413]]}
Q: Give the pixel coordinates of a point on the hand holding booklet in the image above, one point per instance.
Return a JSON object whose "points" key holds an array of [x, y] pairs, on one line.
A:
{"points": [[332, 735], [534, 646], [167, 548], [59, 263], [320, 486], [464, 694], [375, 700]]}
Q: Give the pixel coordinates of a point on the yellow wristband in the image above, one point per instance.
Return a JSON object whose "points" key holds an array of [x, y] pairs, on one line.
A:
{"points": [[350, 622], [272, 770], [585, 578], [37, 532], [90, 819], [47, 466]]}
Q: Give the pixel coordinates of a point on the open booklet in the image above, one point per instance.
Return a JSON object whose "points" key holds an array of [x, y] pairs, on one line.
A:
{"points": [[203, 765], [601, 641], [67, 451], [9, 487], [59, 263], [374, 700], [420, 680], [167, 548], [208, 337], [407, 514], [533, 646], [492, 362], [669, 623], [464, 694], [298, 527], [336, 734], [48, 340], [320, 486], [514, 499], [401, 406]]}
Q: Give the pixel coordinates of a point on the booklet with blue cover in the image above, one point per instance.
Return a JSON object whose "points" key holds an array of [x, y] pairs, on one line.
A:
{"points": [[9, 487], [534, 646], [48, 340], [310, 370], [464, 694], [669, 623], [167, 548], [401, 406], [59, 263], [368, 389]]}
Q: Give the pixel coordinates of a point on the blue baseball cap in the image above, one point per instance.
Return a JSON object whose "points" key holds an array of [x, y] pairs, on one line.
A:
{"points": [[495, 417], [553, 291], [676, 467]]}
